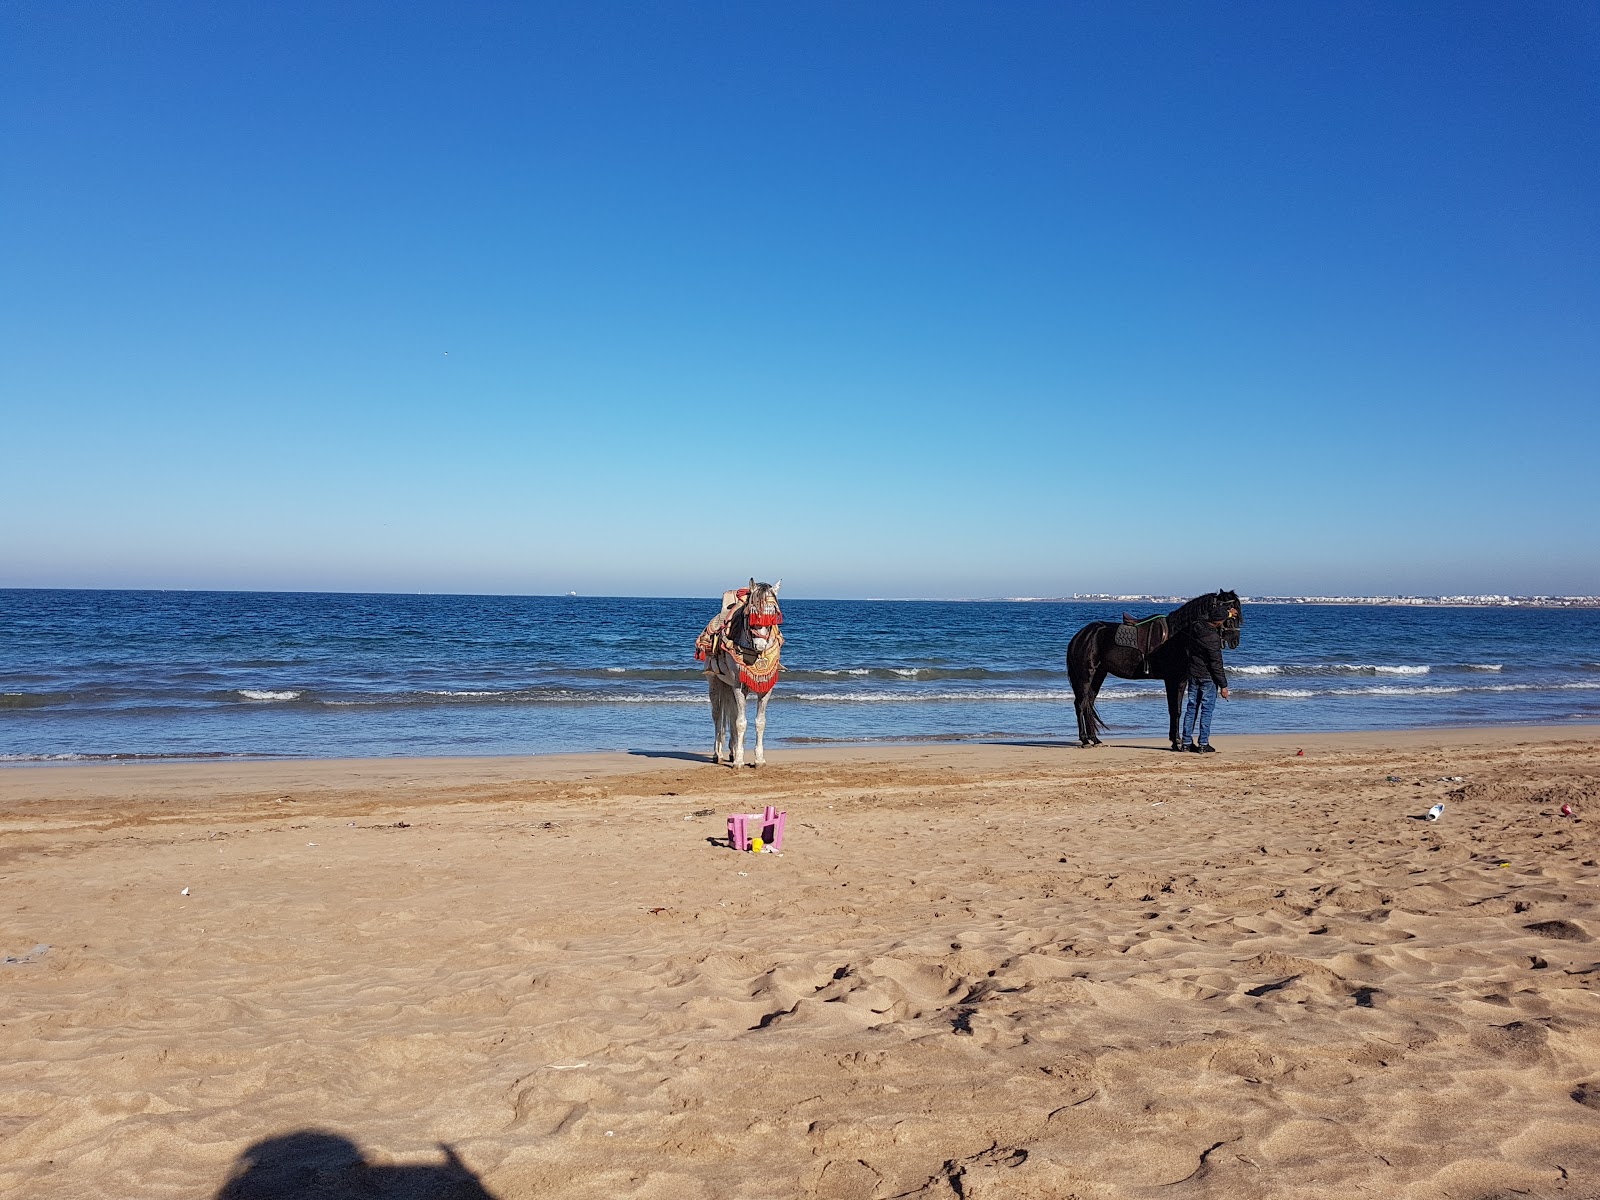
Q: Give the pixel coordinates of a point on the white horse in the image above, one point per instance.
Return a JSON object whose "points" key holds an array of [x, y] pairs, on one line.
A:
{"points": [[740, 648]]}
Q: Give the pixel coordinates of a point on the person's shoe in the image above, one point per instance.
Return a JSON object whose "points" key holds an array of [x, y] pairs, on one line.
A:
{"points": [[1178, 748], [1208, 748], [1194, 750]]}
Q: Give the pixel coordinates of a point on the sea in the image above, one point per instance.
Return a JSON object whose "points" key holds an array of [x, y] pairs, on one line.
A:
{"points": [[128, 675]]}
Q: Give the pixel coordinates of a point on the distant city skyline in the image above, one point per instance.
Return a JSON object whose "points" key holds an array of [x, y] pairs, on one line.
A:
{"points": [[943, 300]]}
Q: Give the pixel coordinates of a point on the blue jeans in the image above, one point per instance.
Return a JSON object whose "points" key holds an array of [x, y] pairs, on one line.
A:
{"points": [[1199, 700]]}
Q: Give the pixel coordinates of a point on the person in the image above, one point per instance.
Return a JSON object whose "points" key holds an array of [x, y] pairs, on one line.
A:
{"points": [[1207, 678]]}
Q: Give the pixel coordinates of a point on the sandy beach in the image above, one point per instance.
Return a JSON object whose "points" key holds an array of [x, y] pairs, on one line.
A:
{"points": [[981, 971]]}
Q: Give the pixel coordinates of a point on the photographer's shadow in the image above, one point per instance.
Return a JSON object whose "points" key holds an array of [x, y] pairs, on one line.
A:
{"points": [[313, 1164]]}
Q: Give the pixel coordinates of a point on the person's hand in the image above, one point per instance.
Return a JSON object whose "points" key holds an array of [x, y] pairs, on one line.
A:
{"points": [[1224, 693]]}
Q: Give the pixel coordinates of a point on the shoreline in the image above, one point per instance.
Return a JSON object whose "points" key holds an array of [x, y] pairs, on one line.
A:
{"points": [[27, 782]]}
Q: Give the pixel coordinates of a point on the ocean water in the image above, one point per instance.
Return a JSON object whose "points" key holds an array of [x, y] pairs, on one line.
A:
{"points": [[91, 674]]}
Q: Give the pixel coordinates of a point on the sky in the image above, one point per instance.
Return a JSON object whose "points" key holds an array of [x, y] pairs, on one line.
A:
{"points": [[883, 299]]}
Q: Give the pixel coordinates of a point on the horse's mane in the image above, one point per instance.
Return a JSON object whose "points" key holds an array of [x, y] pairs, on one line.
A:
{"points": [[1197, 609]]}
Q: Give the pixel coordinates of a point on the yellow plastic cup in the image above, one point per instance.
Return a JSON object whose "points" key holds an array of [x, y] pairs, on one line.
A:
{"points": [[755, 845]]}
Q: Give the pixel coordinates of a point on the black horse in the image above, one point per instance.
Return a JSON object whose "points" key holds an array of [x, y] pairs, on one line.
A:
{"points": [[1155, 652]]}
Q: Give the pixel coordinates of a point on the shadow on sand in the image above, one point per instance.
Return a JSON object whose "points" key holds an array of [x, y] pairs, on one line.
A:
{"points": [[680, 755], [314, 1164], [1072, 744], [1030, 743]]}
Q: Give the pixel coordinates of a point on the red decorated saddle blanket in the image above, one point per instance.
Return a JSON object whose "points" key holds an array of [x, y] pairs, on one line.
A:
{"points": [[761, 672]]}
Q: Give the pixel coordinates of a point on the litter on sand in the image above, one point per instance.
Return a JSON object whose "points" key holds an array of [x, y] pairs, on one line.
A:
{"points": [[185, 892]]}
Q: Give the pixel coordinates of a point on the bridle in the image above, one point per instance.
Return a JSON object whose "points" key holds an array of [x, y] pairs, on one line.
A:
{"points": [[1232, 624], [760, 621]]}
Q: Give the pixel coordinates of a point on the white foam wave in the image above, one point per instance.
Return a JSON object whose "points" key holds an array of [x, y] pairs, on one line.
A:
{"points": [[980, 696], [1329, 669], [1112, 693], [1485, 666], [555, 696], [1435, 689]]}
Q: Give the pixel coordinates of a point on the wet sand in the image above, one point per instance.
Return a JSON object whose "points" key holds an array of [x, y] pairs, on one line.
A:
{"points": [[987, 971]]}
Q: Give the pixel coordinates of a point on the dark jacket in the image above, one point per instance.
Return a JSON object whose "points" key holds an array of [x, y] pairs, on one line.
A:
{"points": [[1205, 654]]}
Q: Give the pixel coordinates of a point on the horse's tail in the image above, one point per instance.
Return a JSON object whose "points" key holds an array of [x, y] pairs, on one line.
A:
{"points": [[1080, 672]]}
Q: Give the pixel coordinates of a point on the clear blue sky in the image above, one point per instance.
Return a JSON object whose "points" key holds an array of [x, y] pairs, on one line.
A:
{"points": [[886, 299]]}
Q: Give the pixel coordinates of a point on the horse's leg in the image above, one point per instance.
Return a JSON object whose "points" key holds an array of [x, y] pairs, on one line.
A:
{"points": [[1081, 700], [1080, 689], [716, 718], [1079, 657], [738, 725], [1175, 688], [1098, 678], [761, 728]]}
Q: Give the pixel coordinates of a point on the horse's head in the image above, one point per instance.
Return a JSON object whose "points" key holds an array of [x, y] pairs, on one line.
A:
{"points": [[762, 616], [1227, 608]]}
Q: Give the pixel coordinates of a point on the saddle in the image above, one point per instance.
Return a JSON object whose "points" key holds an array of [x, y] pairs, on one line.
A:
{"points": [[1144, 637], [714, 637]]}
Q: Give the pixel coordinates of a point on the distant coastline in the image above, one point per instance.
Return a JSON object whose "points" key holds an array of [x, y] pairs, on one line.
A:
{"points": [[1407, 601]]}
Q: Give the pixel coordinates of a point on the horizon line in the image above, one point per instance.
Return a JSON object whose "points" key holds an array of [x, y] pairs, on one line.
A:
{"points": [[1484, 599]]}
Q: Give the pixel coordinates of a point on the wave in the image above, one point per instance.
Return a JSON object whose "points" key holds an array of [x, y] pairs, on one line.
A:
{"points": [[919, 737], [802, 674], [979, 695], [1330, 669], [549, 695], [989, 688], [186, 756], [17, 700], [1393, 689], [1358, 668]]}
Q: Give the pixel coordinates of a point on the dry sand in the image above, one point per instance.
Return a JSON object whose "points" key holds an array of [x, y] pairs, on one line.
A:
{"points": [[996, 971]]}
